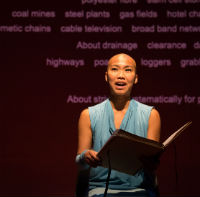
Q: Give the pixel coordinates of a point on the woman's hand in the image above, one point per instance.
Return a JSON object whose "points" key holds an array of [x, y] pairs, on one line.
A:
{"points": [[91, 158]]}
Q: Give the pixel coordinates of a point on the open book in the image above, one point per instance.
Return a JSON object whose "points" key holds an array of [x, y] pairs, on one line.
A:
{"points": [[123, 150]]}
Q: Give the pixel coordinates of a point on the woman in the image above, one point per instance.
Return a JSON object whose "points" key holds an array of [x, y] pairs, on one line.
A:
{"points": [[97, 123]]}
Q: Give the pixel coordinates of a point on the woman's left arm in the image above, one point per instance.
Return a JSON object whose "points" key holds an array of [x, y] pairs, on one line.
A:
{"points": [[154, 127], [153, 133]]}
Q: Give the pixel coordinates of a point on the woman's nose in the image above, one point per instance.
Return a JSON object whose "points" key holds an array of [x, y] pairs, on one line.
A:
{"points": [[121, 74]]}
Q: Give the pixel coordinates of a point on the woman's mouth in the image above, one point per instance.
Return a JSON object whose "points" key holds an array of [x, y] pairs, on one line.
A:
{"points": [[120, 85]]}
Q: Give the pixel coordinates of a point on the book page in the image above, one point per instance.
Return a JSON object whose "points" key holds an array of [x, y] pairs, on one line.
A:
{"points": [[176, 134]]}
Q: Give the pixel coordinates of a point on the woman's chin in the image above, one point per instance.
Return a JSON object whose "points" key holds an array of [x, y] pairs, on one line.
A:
{"points": [[121, 93]]}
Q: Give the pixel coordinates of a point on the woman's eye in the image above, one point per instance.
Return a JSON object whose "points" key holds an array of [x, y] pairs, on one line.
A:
{"points": [[113, 68], [128, 70]]}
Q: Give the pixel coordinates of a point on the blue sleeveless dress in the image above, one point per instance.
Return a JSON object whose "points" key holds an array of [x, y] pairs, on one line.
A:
{"points": [[102, 124]]}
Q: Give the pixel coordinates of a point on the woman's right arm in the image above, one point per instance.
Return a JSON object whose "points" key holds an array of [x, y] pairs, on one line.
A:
{"points": [[85, 140]]}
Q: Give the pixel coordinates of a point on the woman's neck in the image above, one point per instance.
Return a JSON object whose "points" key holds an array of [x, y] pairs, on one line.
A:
{"points": [[119, 103]]}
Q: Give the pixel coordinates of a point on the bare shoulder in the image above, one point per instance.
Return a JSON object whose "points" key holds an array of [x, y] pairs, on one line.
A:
{"points": [[84, 114], [154, 128], [84, 118], [155, 114]]}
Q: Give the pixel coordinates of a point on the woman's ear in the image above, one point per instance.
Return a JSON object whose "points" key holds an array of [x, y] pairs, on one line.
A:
{"points": [[136, 79], [106, 76]]}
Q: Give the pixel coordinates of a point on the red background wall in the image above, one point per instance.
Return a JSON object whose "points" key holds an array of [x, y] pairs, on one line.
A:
{"points": [[38, 120]]}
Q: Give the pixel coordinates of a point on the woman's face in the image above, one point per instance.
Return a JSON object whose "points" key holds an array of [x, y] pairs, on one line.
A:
{"points": [[121, 74]]}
